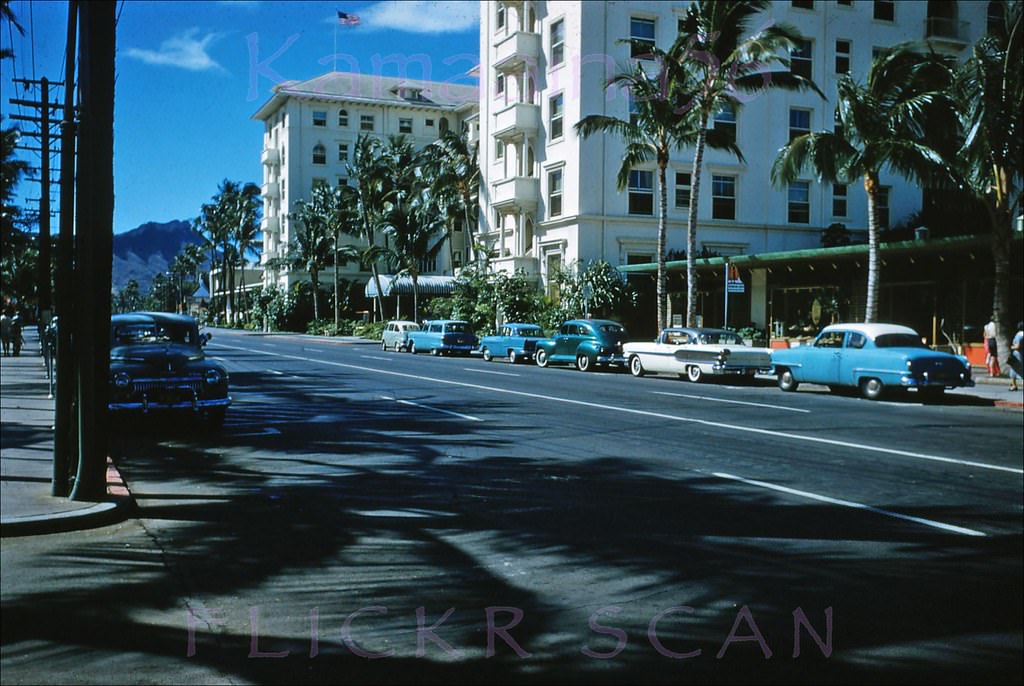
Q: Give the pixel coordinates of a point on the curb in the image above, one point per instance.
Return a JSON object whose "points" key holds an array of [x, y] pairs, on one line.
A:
{"points": [[117, 509]]}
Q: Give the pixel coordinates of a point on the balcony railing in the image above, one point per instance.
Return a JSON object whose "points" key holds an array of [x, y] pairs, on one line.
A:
{"points": [[271, 189], [271, 224], [515, 50], [518, 191], [270, 157], [518, 119]]}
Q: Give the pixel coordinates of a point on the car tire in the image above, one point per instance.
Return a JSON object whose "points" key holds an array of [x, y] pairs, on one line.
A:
{"points": [[583, 363], [694, 373], [412, 348], [384, 345], [636, 367], [486, 352], [435, 352], [542, 357], [787, 382], [512, 357], [872, 389]]}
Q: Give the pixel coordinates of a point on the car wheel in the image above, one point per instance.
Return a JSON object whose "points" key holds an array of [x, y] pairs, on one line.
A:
{"points": [[435, 352], [583, 363], [512, 357], [871, 389], [412, 348], [384, 345], [636, 367], [694, 373], [542, 358], [486, 352], [787, 382]]}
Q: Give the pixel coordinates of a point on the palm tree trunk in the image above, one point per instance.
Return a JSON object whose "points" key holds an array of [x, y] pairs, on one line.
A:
{"points": [[469, 233], [337, 305], [871, 303], [662, 229], [691, 225], [1002, 244], [415, 296], [314, 277]]}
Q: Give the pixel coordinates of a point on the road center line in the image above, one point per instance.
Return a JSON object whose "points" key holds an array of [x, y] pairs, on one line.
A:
{"points": [[647, 413], [855, 505], [724, 400], [376, 357], [434, 409], [488, 371]]}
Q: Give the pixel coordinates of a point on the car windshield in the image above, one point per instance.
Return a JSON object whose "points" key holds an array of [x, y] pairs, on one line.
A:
{"points": [[720, 338], [457, 327], [899, 340], [412, 327], [141, 334]]}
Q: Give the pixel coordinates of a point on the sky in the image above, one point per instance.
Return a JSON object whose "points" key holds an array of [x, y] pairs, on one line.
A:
{"points": [[191, 74]]}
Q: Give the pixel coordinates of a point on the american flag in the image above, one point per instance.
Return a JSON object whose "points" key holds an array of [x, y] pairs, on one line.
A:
{"points": [[347, 19]]}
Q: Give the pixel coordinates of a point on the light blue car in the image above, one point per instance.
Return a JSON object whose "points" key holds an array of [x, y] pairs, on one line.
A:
{"points": [[513, 342], [872, 357]]}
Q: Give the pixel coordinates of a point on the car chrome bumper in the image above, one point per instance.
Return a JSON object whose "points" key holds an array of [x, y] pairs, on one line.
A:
{"points": [[914, 382], [616, 358], [146, 405], [738, 371]]}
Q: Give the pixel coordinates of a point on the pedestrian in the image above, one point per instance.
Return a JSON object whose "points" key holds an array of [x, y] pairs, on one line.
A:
{"points": [[5, 332], [16, 338], [1015, 361], [991, 349]]}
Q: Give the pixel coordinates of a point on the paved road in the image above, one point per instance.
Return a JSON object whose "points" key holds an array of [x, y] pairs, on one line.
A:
{"points": [[620, 529]]}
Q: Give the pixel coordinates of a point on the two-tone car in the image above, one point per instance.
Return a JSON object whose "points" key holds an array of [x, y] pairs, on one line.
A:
{"points": [[514, 342], [396, 335], [695, 353], [443, 337], [586, 343], [874, 358], [157, 363]]}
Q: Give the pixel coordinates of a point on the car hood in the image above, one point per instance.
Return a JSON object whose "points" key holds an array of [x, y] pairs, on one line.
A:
{"points": [[160, 356]]}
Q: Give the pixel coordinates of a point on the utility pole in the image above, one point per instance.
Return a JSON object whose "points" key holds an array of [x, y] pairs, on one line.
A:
{"points": [[94, 238]]}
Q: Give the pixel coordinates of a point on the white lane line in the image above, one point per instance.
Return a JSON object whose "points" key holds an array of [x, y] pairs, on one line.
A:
{"points": [[376, 357], [434, 409], [724, 400], [488, 371], [268, 431], [855, 505], [274, 371], [647, 413]]}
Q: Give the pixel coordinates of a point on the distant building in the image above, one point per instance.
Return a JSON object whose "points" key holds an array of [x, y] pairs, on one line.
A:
{"points": [[549, 198], [310, 128]]}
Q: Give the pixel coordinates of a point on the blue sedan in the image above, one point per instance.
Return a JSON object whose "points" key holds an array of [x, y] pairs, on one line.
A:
{"points": [[873, 358]]}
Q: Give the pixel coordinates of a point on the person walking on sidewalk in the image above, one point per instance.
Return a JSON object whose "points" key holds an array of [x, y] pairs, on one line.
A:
{"points": [[991, 349], [17, 340], [1016, 361], [5, 332]]}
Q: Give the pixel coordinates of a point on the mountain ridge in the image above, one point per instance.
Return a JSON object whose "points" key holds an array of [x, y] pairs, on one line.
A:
{"points": [[148, 250]]}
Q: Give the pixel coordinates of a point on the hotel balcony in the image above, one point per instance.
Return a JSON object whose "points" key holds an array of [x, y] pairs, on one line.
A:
{"points": [[271, 224], [516, 50], [522, 192], [271, 189], [517, 120], [270, 157], [529, 265], [945, 31]]}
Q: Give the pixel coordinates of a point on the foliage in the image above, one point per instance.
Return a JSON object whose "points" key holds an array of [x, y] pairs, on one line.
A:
{"points": [[270, 308], [608, 291], [128, 299], [370, 330], [835, 235]]}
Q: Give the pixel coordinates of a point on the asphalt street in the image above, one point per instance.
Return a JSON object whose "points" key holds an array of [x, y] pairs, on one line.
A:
{"points": [[371, 516]]}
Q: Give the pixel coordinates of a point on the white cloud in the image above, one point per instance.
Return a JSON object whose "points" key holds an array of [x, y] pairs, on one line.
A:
{"points": [[184, 50], [421, 16]]}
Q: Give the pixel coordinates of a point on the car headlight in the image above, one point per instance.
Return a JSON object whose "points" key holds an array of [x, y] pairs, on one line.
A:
{"points": [[122, 379], [212, 377], [910, 365]]}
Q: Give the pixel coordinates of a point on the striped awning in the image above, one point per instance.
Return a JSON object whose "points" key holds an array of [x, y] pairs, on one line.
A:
{"points": [[402, 285]]}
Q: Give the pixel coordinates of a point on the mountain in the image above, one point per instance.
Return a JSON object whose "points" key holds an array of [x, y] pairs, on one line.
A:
{"points": [[148, 250]]}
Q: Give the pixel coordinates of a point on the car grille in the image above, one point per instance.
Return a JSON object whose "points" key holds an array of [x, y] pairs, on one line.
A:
{"points": [[177, 384]]}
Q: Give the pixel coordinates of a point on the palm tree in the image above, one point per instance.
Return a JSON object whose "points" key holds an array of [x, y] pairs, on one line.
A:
{"points": [[654, 129], [370, 197], [728, 68], [414, 223], [882, 123], [311, 246], [7, 14], [990, 98], [455, 181], [244, 207]]}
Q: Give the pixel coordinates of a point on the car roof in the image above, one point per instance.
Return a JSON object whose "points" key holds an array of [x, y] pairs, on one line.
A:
{"points": [[152, 318], [872, 331], [532, 326], [596, 322], [402, 321], [700, 331]]}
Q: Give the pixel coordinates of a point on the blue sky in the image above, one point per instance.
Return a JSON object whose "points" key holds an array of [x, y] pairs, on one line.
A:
{"points": [[191, 74]]}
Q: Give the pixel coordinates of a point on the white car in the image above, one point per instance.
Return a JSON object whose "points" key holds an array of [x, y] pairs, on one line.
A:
{"points": [[696, 353], [396, 335]]}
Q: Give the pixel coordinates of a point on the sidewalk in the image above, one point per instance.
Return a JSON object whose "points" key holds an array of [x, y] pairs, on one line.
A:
{"points": [[26, 457]]}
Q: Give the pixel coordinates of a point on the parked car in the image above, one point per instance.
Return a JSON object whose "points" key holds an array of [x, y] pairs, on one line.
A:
{"points": [[695, 353], [443, 336], [396, 335], [157, 363], [514, 342], [872, 357], [585, 343]]}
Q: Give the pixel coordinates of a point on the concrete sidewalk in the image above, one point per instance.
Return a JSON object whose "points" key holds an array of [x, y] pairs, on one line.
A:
{"points": [[26, 450], [26, 457]]}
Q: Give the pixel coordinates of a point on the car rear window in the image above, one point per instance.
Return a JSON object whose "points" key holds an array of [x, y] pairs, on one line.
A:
{"points": [[456, 327], [899, 340]]}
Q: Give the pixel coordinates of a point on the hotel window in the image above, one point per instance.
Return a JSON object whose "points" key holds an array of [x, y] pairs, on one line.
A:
{"points": [[725, 121], [343, 152], [799, 122], [366, 122], [319, 183], [555, 193], [634, 111], [845, 3], [499, 85], [405, 125], [682, 189], [838, 200], [343, 118], [319, 118], [442, 126], [995, 17], [804, 4], [800, 59], [501, 16], [319, 154], [842, 57], [723, 197], [885, 10], [555, 117], [641, 192], [882, 207], [499, 150], [800, 202], [641, 32], [557, 42]]}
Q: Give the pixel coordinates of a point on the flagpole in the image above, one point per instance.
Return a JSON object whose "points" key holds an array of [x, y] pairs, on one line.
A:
{"points": [[334, 54]]}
